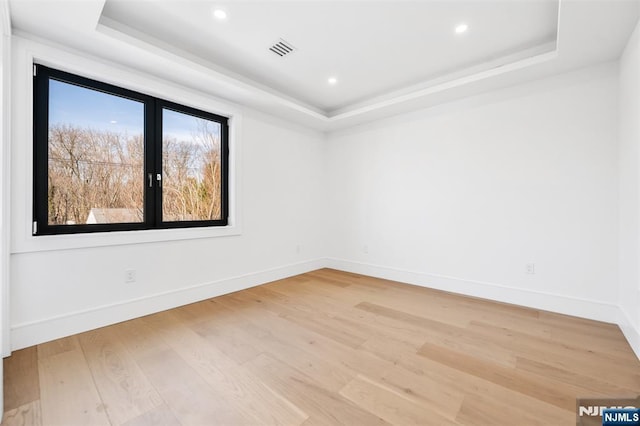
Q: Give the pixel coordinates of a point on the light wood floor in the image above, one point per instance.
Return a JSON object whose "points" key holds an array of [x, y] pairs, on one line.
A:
{"points": [[324, 348]]}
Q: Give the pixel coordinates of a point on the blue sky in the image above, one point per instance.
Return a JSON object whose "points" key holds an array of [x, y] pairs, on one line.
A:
{"points": [[181, 126], [79, 106]]}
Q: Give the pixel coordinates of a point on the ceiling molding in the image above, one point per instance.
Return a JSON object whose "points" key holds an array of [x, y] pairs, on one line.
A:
{"points": [[449, 77], [458, 82], [327, 119], [126, 34], [586, 33]]}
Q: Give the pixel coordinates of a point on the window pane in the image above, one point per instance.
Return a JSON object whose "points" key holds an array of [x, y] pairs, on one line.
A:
{"points": [[95, 157], [191, 167]]}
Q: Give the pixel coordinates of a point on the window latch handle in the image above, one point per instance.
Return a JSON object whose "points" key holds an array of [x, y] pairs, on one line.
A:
{"points": [[150, 175]]}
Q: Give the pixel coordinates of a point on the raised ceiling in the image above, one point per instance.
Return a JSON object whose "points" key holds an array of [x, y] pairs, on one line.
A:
{"points": [[372, 48], [388, 56]]}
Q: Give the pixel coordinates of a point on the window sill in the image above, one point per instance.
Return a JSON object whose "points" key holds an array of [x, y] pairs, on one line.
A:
{"points": [[103, 239]]}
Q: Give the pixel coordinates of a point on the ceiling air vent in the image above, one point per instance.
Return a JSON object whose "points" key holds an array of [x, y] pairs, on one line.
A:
{"points": [[282, 48]]}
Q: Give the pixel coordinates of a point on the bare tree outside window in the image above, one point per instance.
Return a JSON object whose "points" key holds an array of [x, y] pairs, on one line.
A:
{"points": [[191, 166], [107, 158], [96, 166]]}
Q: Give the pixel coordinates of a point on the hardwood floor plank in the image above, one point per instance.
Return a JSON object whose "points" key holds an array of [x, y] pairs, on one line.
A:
{"points": [[21, 382], [452, 337], [392, 406], [323, 405], [301, 348], [68, 393], [187, 394], [339, 278], [324, 348], [389, 349], [124, 389], [548, 390], [561, 356], [231, 339], [317, 317], [433, 396], [595, 382], [58, 346], [443, 310], [205, 311], [451, 379], [158, 416], [293, 345], [25, 415], [139, 338], [479, 410], [242, 390]]}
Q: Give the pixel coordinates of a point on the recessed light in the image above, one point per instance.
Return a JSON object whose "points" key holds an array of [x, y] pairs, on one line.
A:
{"points": [[461, 28], [332, 80], [220, 14]]}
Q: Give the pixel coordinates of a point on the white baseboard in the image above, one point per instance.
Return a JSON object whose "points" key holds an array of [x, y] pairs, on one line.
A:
{"points": [[28, 334], [631, 333], [590, 309], [36, 332]]}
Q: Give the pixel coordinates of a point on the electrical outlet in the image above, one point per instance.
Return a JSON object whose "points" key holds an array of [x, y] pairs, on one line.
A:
{"points": [[531, 268], [298, 249], [130, 276], [365, 249]]}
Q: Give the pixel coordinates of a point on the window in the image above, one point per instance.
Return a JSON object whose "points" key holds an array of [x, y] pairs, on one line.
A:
{"points": [[111, 159]]}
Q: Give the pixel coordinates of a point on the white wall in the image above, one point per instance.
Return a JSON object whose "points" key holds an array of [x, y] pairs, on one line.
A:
{"points": [[62, 291], [463, 196], [5, 97], [629, 160], [458, 197]]}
